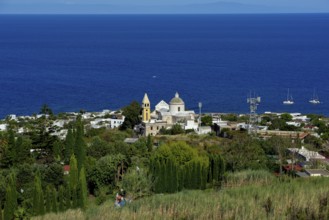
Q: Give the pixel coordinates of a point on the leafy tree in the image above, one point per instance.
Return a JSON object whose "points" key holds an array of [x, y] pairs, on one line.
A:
{"points": [[53, 174], [132, 115], [177, 129], [277, 124], [137, 182], [280, 146], [206, 120], [314, 141], [286, 117], [99, 148], [106, 170], [244, 153], [229, 117]]}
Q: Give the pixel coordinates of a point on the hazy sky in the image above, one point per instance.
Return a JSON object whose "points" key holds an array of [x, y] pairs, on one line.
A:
{"points": [[162, 6]]}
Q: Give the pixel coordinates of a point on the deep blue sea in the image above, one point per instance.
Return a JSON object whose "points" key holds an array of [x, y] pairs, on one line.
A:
{"points": [[96, 62]]}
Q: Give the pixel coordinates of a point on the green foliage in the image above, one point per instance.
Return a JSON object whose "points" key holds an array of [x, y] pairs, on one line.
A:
{"points": [[61, 203], [80, 145], [216, 169], [105, 172], [38, 197], [67, 197], [54, 206], [11, 199], [259, 199], [99, 148], [57, 150], [74, 173], [48, 199], [206, 120], [229, 117], [82, 189], [176, 166], [45, 109], [69, 145], [177, 129], [149, 143], [244, 153], [132, 115], [137, 182], [286, 117], [1, 216]]}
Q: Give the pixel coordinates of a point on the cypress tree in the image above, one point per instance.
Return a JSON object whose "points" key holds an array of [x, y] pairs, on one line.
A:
{"points": [[80, 145], [210, 169], [36, 197], [170, 177], [157, 176], [175, 177], [221, 167], [1, 217], [75, 203], [9, 208], [54, 200], [38, 207], [198, 175], [11, 198], [48, 199], [164, 178], [42, 202], [180, 177], [57, 149], [149, 143], [74, 175], [67, 197], [61, 202], [215, 168], [69, 145], [82, 189]]}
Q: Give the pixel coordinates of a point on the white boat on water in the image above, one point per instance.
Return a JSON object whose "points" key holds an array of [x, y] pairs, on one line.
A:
{"points": [[315, 100], [289, 100]]}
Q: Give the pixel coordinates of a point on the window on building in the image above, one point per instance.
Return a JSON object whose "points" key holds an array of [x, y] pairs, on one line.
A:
{"points": [[151, 127], [179, 109]]}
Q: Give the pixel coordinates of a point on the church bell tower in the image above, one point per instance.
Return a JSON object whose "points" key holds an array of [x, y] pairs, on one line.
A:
{"points": [[146, 109]]}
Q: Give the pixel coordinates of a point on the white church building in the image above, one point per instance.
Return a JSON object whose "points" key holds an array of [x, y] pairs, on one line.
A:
{"points": [[166, 115]]}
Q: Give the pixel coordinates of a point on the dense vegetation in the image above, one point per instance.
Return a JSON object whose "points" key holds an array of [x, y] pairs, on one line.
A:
{"points": [[32, 181], [245, 195]]}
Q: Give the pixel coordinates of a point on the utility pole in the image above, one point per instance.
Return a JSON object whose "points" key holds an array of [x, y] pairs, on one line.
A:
{"points": [[253, 102]]}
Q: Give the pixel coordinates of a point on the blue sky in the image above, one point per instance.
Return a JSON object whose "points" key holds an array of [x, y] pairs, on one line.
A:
{"points": [[163, 6]]}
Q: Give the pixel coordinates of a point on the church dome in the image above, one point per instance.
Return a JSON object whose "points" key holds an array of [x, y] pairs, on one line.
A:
{"points": [[176, 100]]}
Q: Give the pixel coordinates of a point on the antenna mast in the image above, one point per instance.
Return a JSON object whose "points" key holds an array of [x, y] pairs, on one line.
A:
{"points": [[253, 102]]}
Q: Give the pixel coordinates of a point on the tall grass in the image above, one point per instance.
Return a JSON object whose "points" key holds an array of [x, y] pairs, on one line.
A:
{"points": [[268, 198]]}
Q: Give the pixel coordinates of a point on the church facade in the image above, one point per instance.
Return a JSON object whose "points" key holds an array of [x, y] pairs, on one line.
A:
{"points": [[166, 115]]}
